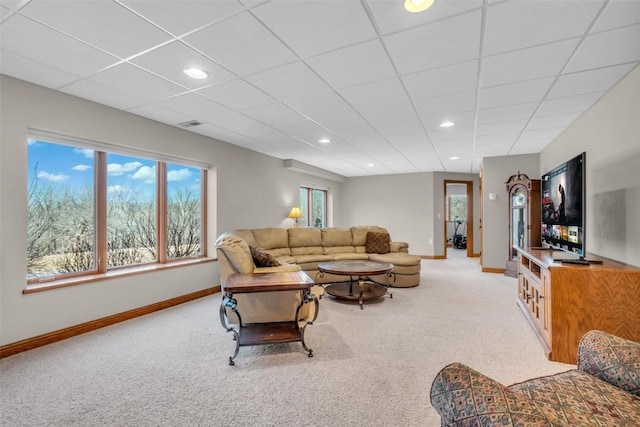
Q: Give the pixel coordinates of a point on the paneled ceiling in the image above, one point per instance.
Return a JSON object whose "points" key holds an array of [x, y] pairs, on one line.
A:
{"points": [[375, 80]]}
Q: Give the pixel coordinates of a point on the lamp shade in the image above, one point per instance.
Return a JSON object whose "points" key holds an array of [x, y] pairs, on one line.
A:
{"points": [[295, 213]]}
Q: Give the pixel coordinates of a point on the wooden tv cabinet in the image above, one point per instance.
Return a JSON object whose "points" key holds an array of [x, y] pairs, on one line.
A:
{"points": [[562, 301]]}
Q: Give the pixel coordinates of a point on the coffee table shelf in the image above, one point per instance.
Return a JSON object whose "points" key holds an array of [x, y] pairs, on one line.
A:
{"points": [[360, 285]]}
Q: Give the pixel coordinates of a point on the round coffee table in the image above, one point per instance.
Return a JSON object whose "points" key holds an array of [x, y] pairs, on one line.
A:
{"points": [[360, 285]]}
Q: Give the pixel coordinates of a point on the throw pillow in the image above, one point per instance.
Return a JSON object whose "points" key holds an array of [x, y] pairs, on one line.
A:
{"points": [[263, 259], [378, 243]]}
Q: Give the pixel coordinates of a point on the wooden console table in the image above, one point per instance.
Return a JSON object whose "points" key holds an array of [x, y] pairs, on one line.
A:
{"points": [[562, 301], [270, 332]]}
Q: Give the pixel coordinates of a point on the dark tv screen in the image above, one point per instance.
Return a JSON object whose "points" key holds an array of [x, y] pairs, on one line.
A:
{"points": [[563, 206]]}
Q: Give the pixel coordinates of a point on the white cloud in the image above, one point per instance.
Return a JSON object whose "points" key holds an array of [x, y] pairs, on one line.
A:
{"points": [[179, 175], [146, 174], [81, 168], [118, 169], [85, 152], [52, 177]]}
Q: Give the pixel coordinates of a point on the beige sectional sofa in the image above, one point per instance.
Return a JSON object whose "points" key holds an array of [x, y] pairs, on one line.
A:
{"points": [[303, 249]]}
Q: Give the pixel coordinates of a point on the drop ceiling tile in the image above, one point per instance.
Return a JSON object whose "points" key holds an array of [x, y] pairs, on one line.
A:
{"points": [[601, 79], [452, 134], [308, 130], [319, 103], [196, 107], [136, 82], [4, 11], [569, 104], [96, 92], [531, 147], [390, 120], [557, 121], [22, 36], [375, 94], [502, 114], [526, 64], [515, 93], [289, 81], [453, 40], [313, 27], [362, 63], [241, 44], [462, 119], [618, 13], [607, 48], [492, 129], [179, 17], [443, 106], [275, 115], [443, 81], [104, 24], [237, 95], [35, 72], [392, 17], [170, 60], [160, 114], [516, 24]]}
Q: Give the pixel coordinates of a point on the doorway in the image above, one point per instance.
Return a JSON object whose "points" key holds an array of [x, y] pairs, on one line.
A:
{"points": [[458, 216]]}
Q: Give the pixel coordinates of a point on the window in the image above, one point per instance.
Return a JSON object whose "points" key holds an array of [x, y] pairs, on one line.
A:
{"points": [[313, 203], [456, 207], [92, 210]]}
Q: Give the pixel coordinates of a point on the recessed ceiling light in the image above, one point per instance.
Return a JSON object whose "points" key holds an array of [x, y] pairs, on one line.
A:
{"points": [[417, 5], [454, 158], [447, 124], [324, 140], [196, 73], [371, 165]]}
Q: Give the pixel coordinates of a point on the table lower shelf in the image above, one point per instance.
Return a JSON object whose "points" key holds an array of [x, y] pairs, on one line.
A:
{"points": [[269, 333]]}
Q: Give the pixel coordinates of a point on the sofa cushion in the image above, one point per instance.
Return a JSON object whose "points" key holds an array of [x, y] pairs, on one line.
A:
{"points": [[337, 237], [273, 240], [263, 259], [359, 234], [397, 259], [576, 398], [377, 243], [349, 256], [303, 236]]}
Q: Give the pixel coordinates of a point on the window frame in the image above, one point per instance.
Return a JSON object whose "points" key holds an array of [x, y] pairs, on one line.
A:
{"points": [[308, 204], [102, 271]]}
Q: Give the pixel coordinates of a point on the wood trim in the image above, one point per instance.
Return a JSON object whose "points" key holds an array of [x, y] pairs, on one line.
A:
{"points": [[493, 270], [72, 331], [433, 256]]}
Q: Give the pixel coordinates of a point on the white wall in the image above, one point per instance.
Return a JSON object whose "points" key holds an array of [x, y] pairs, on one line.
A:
{"points": [[609, 132], [247, 190]]}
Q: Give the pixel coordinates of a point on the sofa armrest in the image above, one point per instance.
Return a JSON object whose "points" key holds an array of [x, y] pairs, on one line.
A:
{"points": [[465, 397], [399, 247], [612, 359]]}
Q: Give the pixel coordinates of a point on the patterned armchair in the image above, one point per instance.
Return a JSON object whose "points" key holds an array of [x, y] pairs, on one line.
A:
{"points": [[604, 390]]}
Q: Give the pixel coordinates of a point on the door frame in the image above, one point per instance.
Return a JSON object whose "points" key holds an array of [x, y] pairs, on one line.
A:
{"points": [[469, 185]]}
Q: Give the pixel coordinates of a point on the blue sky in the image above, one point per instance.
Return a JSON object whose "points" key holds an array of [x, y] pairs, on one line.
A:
{"points": [[62, 166]]}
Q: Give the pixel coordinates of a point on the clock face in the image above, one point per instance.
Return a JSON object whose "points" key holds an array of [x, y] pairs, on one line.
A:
{"points": [[519, 199]]}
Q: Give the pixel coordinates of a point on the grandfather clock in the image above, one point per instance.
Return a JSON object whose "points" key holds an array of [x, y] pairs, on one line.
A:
{"points": [[524, 217]]}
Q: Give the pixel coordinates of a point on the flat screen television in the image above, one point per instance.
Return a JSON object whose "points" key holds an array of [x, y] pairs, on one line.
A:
{"points": [[563, 207]]}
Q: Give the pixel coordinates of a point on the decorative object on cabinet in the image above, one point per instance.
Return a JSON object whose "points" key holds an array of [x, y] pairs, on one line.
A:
{"points": [[524, 217]]}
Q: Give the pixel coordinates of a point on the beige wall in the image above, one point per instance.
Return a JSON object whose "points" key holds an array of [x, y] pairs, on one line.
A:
{"points": [[609, 133], [247, 190], [410, 206], [495, 219]]}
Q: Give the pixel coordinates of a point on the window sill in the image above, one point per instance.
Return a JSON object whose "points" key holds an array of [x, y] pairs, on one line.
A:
{"points": [[121, 272]]}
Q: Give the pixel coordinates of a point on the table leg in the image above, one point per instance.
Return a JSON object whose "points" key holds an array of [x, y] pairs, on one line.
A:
{"points": [[229, 302]]}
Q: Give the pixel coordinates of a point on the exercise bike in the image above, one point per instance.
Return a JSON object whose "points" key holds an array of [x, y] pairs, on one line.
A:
{"points": [[459, 240]]}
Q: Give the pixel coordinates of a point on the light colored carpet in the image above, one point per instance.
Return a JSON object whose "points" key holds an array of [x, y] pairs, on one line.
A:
{"points": [[371, 367]]}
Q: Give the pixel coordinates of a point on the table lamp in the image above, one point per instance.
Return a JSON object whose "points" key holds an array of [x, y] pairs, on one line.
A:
{"points": [[295, 214]]}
